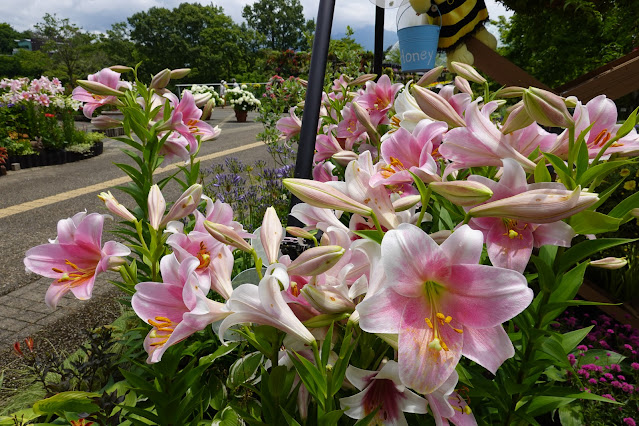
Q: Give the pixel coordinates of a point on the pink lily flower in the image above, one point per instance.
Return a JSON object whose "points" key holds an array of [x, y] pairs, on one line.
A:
{"points": [[510, 242], [218, 212], [264, 304], [92, 101], [290, 126], [75, 258], [440, 301], [379, 96], [323, 172], [382, 389], [350, 128], [446, 404], [459, 101], [478, 144], [176, 147], [216, 260], [185, 119], [404, 152], [175, 308], [603, 113]]}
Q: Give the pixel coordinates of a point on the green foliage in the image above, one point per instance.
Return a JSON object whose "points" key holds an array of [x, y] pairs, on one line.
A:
{"points": [[200, 37], [281, 22], [68, 46], [7, 38], [582, 36]]}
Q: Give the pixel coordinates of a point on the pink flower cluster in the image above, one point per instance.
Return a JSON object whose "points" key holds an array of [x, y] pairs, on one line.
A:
{"points": [[43, 91]]}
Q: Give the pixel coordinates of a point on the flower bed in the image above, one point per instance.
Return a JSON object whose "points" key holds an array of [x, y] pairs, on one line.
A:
{"points": [[55, 157], [436, 253]]}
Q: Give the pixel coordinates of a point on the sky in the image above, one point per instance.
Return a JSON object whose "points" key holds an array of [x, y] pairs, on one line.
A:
{"points": [[98, 15]]}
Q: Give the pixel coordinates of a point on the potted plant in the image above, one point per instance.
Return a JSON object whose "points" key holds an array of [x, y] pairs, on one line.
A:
{"points": [[242, 102]]}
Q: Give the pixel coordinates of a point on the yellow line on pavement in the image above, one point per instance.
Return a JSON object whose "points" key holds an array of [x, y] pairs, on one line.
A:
{"points": [[64, 196]]}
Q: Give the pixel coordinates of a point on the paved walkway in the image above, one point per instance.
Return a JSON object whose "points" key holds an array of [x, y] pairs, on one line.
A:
{"points": [[33, 200]]}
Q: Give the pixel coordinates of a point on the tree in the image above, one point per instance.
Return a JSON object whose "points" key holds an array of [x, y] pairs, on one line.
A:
{"points": [[281, 21], [7, 38], [199, 37], [559, 42], [70, 47]]}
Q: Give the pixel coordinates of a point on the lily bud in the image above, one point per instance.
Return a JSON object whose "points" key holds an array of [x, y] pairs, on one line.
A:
{"points": [[610, 263], [463, 85], [440, 236], [161, 79], [120, 68], [437, 107], [271, 234], [510, 92], [364, 117], [546, 108], [178, 73], [115, 207], [104, 122], [98, 88], [299, 232], [467, 71], [303, 82], [316, 260], [462, 192], [362, 79], [517, 119], [406, 203], [538, 205], [185, 205], [227, 235], [430, 76], [201, 99], [344, 157], [320, 194], [208, 109], [634, 212], [327, 299], [156, 206]]}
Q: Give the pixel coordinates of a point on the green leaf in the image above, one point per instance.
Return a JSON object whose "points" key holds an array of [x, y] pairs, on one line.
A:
{"points": [[554, 348], [600, 357], [599, 170], [570, 340], [571, 415], [373, 234], [74, 401], [25, 416], [561, 169], [541, 173], [631, 202], [589, 222], [289, 419], [547, 279], [218, 393], [244, 370], [227, 417], [330, 418], [219, 352], [326, 346], [586, 248], [582, 155]]}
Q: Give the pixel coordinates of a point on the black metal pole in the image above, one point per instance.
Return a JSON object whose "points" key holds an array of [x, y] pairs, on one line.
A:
{"points": [[379, 41], [312, 103]]}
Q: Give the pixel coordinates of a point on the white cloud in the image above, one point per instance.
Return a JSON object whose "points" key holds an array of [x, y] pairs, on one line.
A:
{"points": [[98, 15]]}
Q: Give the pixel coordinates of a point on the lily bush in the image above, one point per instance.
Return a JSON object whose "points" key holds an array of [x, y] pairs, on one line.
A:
{"points": [[444, 239]]}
